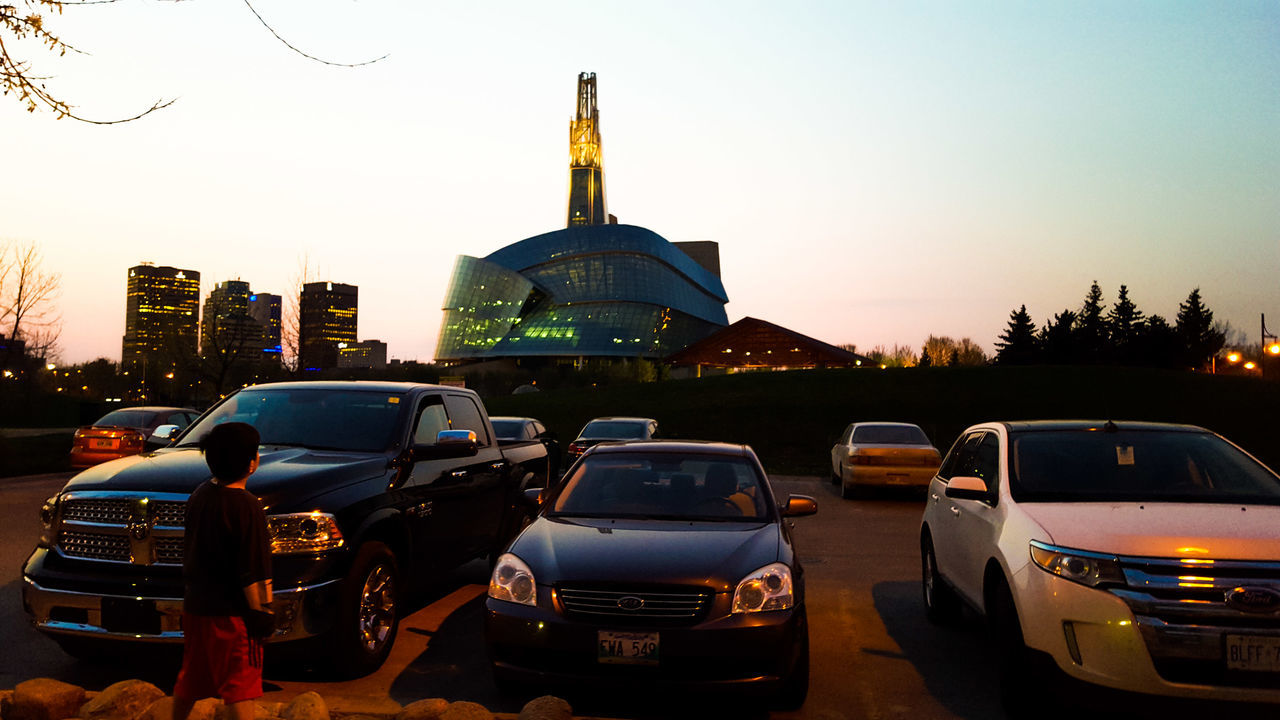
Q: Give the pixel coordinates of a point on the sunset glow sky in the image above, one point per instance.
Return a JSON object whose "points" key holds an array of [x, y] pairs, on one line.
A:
{"points": [[873, 172]]}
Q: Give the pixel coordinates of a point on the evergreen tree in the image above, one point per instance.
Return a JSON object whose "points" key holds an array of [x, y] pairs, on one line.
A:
{"points": [[1158, 344], [1124, 326], [1091, 328], [925, 360], [1057, 339], [1017, 344], [1200, 339]]}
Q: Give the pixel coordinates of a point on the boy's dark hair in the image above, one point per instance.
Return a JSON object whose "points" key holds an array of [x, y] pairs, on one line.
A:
{"points": [[229, 448]]}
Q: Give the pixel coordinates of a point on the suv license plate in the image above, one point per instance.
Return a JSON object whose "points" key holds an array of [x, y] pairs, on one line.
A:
{"points": [[636, 648], [1255, 653]]}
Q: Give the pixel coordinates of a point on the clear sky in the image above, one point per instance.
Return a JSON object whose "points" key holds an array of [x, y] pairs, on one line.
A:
{"points": [[873, 172]]}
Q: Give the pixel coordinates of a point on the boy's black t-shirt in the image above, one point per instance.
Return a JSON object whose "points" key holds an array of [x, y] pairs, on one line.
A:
{"points": [[226, 548]]}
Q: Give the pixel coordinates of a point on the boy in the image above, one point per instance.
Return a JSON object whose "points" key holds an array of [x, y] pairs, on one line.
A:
{"points": [[226, 570]]}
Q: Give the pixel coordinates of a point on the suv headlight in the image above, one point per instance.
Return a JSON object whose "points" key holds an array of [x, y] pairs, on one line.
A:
{"points": [[48, 518], [512, 581], [768, 588], [1087, 568], [297, 533]]}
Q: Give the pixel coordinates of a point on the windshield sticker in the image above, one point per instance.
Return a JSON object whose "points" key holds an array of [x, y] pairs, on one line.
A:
{"points": [[393, 400], [1124, 454]]}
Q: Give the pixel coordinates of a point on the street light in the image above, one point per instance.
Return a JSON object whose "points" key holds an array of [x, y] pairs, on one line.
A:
{"points": [[1233, 357]]}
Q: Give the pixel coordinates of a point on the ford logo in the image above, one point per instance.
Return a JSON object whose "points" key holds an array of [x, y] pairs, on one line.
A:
{"points": [[630, 602], [1254, 599]]}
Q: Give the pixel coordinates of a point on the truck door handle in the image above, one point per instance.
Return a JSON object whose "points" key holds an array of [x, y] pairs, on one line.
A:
{"points": [[458, 474], [498, 465], [955, 511]]}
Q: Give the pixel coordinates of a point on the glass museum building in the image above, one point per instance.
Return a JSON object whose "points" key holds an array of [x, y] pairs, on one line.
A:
{"points": [[593, 291]]}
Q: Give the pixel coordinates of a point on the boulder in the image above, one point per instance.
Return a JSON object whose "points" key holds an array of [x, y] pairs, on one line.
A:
{"points": [[547, 707], [45, 699], [6, 702], [463, 710], [124, 700], [307, 706], [429, 709]]}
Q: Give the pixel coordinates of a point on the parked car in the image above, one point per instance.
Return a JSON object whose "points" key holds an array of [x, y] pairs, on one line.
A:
{"points": [[662, 563], [526, 429], [368, 487], [1138, 556], [125, 432], [611, 428], [882, 454]]}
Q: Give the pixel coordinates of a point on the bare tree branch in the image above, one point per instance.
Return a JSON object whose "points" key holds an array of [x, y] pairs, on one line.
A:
{"points": [[286, 43]]}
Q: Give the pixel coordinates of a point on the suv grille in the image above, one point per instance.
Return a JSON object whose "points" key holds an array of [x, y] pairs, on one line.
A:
{"points": [[122, 527], [640, 606]]}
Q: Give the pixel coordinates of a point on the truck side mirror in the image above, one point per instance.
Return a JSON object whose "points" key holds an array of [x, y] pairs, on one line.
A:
{"points": [[449, 444], [163, 435]]}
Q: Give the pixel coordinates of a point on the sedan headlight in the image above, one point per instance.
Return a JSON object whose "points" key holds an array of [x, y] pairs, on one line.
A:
{"points": [[1086, 568], [768, 588], [48, 517], [297, 533], [512, 581]]}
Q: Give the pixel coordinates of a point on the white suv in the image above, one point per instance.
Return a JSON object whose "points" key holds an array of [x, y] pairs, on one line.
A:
{"points": [[1137, 556]]}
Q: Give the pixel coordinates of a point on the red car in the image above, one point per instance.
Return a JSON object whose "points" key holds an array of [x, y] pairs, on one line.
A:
{"points": [[124, 432]]}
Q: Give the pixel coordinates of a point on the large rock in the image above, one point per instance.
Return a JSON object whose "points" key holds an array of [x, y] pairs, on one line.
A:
{"points": [[45, 699], [6, 702], [429, 709], [125, 700], [463, 710], [307, 706], [547, 707]]}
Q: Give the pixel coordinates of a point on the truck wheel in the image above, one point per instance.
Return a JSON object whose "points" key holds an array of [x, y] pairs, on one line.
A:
{"points": [[369, 611], [941, 605]]}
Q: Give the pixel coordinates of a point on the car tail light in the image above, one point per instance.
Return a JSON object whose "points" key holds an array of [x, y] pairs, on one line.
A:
{"points": [[132, 439], [575, 448], [860, 459]]}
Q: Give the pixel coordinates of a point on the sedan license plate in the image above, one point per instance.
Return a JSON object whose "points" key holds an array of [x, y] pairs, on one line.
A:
{"points": [[637, 648], [1255, 653], [98, 444]]}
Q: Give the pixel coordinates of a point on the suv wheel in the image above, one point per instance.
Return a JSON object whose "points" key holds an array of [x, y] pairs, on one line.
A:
{"points": [[941, 605], [369, 613]]}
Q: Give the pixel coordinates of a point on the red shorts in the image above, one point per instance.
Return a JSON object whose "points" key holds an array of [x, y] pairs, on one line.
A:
{"points": [[218, 660]]}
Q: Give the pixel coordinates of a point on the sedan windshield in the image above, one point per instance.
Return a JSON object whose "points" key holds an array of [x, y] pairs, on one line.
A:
{"points": [[126, 418], [357, 421], [888, 435], [621, 430], [662, 486], [1140, 465]]}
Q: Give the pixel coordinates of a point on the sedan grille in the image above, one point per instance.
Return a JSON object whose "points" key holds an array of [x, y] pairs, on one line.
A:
{"points": [[639, 606]]}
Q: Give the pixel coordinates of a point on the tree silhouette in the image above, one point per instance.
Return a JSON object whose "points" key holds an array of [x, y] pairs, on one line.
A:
{"points": [[1200, 339], [1017, 344], [1058, 339], [1124, 326]]}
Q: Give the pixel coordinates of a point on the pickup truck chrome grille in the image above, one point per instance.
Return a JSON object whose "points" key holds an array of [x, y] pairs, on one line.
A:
{"points": [[639, 606], [122, 527], [1182, 611]]}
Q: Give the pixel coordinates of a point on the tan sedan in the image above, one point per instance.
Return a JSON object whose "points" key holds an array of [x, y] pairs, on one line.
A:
{"points": [[881, 454]]}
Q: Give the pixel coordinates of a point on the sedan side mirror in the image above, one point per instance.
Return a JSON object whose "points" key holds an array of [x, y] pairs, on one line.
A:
{"points": [[966, 487], [799, 506]]}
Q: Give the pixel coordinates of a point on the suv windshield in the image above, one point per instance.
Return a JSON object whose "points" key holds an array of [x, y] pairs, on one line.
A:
{"points": [[662, 486], [618, 429], [889, 435], [352, 420], [1140, 465]]}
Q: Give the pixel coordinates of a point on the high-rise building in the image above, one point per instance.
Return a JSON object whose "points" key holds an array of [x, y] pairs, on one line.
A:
{"points": [[327, 316], [368, 354], [586, 159], [162, 306], [228, 335], [265, 308]]}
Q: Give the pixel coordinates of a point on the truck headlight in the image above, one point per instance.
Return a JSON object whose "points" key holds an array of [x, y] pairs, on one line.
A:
{"points": [[768, 588], [48, 518], [512, 581], [1087, 568], [297, 533]]}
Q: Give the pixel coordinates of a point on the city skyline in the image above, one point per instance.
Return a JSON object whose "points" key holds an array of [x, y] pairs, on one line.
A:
{"points": [[872, 174]]}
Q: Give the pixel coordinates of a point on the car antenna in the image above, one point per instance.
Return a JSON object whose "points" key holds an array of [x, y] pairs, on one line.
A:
{"points": [[1110, 427]]}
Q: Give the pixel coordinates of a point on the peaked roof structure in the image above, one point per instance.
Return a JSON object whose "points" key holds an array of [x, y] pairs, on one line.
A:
{"points": [[756, 344]]}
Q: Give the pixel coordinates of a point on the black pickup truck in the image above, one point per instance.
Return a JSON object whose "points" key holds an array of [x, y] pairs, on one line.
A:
{"points": [[370, 488]]}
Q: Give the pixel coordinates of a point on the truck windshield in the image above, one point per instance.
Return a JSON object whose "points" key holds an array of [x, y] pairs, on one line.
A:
{"points": [[350, 420], [1135, 465]]}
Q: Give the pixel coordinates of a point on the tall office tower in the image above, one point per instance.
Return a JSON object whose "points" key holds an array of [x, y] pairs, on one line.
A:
{"points": [[367, 354], [162, 306], [586, 161], [327, 316], [227, 332], [265, 308]]}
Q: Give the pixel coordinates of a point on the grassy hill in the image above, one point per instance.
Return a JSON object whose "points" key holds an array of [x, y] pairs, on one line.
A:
{"points": [[793, 418]]}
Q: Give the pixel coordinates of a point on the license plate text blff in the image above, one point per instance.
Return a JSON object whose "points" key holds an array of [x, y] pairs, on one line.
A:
{"points": [[1253, 652]]}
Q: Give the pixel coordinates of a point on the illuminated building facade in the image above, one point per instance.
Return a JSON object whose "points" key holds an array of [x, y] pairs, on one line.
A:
{"points": [[226, 328], [162, 306], [617, 291], [265, 308], [586, 159], [327, 317], [366, 354]]}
